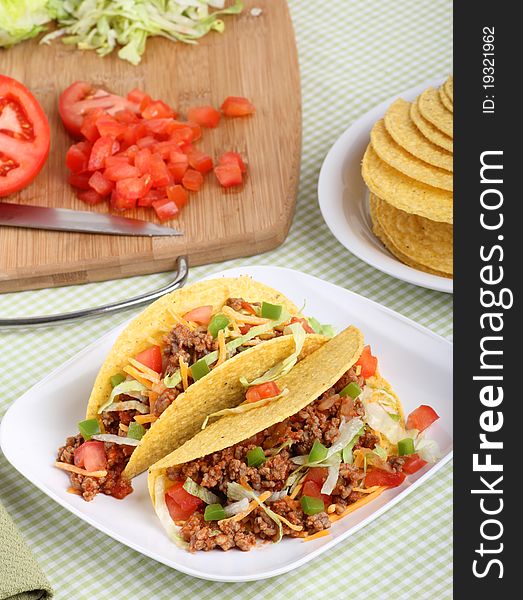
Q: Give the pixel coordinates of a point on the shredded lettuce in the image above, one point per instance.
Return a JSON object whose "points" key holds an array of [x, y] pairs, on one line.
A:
{"points": [[327, 330], [22, 19], [380, 452], [115, 439], [172, 380], [427, 449], [201, 492], [380, 420], [332, 477], [346, 453], [236, 508], [160, 507], [104, 25], [128, 405], [130, 387]]}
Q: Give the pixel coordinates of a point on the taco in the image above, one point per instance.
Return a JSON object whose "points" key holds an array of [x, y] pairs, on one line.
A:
{"points": [[171, 367], [336, 440]]}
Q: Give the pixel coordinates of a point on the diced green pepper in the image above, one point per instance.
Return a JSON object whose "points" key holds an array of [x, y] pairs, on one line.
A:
{"points": [[312, 506], [136, 430], [218, 322], [256, 457], [89, 428], [200, 369], [394, 417], [405, 447], [318, 452], [117, 379], [352, 389], [214, 512], [271, 311]]}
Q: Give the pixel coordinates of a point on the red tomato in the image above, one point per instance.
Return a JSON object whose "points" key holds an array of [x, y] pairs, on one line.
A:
{"points": [[80, 180], [151, 357], [206, 116], [367, 362], [192, 180], [136, 95], [116, 161], [24, 136], [245, 329], [91, 456], [178, 195], [304, 324], [142, 160], [90, 196], [102, 148], [196, 130], [413, 463], [158, 110], [152, 196], [228, 175], [121, 171], [422, 417], [200, 161], [262, 391], [159, 172], [201, 315], [181, 504], [77, 157], [120, 203], [146, 142], [126, 116], [313, 483], [165, 209], [100, 184], [380, 477], [249, 308], [106, 125], [134, 187], [178, 164], [237, 106], [234, 158], [88, 128], [80, 97], [183, 135]]}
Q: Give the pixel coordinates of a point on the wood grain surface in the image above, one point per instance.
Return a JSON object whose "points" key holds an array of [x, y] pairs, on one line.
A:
{"points": [[255, 57]]}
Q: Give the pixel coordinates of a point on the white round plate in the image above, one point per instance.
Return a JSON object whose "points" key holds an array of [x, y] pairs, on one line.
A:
{"points": [[343, 198]]}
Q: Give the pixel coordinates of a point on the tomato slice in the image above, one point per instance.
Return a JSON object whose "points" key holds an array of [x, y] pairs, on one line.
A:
{"points": [[228, 175], [262, 391], [181, 504], [237, 106], [380, 477], [91, 456], [413, 463], [81, 97], [151, 357], [367, 362], [206, 116], [201, 315], [422, 417], [304, 324], [24, 136]]}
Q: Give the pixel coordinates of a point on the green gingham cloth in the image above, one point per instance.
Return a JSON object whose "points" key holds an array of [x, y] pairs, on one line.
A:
{"points": [[353, 55]]}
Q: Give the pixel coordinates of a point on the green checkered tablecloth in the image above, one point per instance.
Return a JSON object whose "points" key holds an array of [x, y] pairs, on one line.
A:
{"points": [[353, 54]]}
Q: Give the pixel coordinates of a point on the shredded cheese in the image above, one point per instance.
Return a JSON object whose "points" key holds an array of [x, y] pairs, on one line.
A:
{"points": [[357, 504], [184, 372], [222, 350], [315, 536], [135, 374], [145, 419], [289, 524], [358, 370], [246, 319], [78, 471], [296, 491], [72, 490], [159, 388], [153, 341], [179, 319], [147, 373], [366, 490]]}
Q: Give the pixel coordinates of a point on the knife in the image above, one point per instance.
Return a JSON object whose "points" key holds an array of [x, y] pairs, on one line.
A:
{"points": [[63, 219]]}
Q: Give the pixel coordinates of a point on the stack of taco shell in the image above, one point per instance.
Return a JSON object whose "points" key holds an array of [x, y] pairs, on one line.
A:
{"points": [[408, 168]]}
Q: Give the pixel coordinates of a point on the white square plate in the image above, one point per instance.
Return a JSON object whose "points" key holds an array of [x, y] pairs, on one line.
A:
{"points": [[417, 362]]}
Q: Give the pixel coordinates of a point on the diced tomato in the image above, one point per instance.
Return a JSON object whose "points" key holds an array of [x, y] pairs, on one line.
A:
{"points": [[116, 161], [159, 127], [136, 95], [100, 184], [201, 315], [121, 171], [262, 391], [196, 130], [413, 463], [159, 172], [145, 101], [142, 160], [146, 142], [90, 456], [237, 106], [181, 504], [107, 126], [77, 157], [314, 482], [165, 148], [178, 164], [134, 187], [177, 194], [234, 158], [304, 324], [158, 110], [192, 180], [81, 97], [422, 417], [367, 362], [102, 148], [380, 477], [120, 203], [126, 116], [318, 475], [88, 127], [152, 196], [228, 175], [200, 161], [206, 116], [245, 329], [183, 135], [80, 180], [90, 196], [165, 209], [151, 357]]}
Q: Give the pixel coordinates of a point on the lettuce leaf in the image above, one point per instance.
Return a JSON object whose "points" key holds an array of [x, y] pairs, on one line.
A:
{"points": [[21, 20]]}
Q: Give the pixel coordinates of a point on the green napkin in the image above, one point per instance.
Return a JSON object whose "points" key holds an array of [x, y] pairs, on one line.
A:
{"points": [[20, 575]]}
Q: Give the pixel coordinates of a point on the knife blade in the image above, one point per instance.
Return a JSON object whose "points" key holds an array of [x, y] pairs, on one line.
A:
{"points": [[64, 219]]}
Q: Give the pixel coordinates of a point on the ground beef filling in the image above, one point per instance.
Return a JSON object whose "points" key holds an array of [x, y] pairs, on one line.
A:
{"points": [[318, 421], [113, 484]]}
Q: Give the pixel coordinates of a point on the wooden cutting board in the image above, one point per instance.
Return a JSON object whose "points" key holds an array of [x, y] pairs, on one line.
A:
{"points": [[255, 57]]}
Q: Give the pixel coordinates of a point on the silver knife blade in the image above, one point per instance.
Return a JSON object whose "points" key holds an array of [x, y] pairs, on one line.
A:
{"points": [[64, 219]]}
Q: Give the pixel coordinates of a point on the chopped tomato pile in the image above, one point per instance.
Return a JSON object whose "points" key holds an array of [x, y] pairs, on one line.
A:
{"points": [[135, 151]]}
